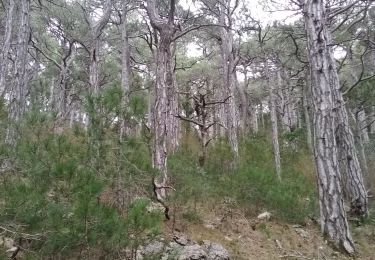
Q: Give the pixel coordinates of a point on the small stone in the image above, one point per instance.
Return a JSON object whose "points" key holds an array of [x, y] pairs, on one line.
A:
{"points": [[155, 207], [265, 216], [181, 239], [303, 233], [8, 242], [229, 239]]}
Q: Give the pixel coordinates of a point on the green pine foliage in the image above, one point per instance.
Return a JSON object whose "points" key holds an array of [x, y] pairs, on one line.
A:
{"points": [[62, 193]]}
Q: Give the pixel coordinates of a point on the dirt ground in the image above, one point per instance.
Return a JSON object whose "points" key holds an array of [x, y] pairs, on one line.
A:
{"points": [[265, 240]]}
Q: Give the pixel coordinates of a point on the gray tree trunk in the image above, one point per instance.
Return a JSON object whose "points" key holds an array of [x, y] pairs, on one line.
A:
{"points": [[362, 124], [229, 78], [6, 46], [306, 110], [275, 130], [125, 70], [165, 106], [95, 32], [62, 86], [326, 118], [19, 89]]}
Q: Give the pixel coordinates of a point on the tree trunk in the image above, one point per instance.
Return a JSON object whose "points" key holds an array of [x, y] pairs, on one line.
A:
{"points": [[275, 130], [306, 111], [165, 106], [362, 124], [229, 82], [6, 46], [324, 84], [372, 119], [19, 89], [62, 86], [125, 71]]}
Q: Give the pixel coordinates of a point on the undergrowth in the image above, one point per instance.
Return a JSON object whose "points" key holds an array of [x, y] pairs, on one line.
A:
{"points": [[62, 199]]}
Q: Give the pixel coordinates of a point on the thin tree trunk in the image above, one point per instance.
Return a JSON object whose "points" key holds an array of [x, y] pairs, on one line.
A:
{"points": [[275, 130], [360, 145], [324, 82], [6, 46], [306, 112], [362, 124], [125, 70]]}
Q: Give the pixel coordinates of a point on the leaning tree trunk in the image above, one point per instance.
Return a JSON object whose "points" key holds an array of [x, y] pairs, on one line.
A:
{"points": [[324, 84], [18, 92], [6, 46]]}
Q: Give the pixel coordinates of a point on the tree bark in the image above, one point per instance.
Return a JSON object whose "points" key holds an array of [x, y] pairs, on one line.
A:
{"points": [[95, 32], [6, 46], [229, 78], [165, 104], [326, 119], [306, 111], [275, 130], [19, 89], [125, 69]]}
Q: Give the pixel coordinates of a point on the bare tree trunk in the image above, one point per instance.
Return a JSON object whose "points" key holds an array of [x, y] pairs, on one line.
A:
{"points": [[165, 106], [362, 124], [229, 78], [287, 101], [372, 119], [125, 70], [275, 130], [6, 46], [95, 32], [306, 106], [324, 84], [62, 86], [360, 144], [19, 89]]}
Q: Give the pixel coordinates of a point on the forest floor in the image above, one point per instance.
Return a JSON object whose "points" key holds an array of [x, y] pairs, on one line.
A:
{"points": [[248, 238]]}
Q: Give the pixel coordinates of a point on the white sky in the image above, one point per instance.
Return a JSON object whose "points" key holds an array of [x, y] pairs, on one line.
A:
{"points": [[257, 12]]}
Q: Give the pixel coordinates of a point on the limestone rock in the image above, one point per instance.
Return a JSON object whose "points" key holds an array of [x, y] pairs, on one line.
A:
{"points": [[193, 252], [215, 251], [265, 216]]}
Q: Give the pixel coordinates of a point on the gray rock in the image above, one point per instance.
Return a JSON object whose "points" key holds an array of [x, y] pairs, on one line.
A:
{"points": [[193, 252], [181, 239], [215, 251]]}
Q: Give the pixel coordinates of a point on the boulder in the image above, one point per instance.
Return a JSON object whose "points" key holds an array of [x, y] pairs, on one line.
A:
{"points": [[193, 252], [215, 251]]}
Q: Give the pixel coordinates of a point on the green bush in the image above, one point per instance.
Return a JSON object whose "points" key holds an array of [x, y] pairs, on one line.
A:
{"points": [[54, 194], [252, 183]]}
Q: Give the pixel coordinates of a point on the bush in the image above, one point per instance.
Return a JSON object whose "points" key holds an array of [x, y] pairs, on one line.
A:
{"points": [[253, 183], [54, 194]]}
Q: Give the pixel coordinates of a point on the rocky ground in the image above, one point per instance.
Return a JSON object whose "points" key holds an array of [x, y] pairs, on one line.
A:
{"points": [[267, 238]]}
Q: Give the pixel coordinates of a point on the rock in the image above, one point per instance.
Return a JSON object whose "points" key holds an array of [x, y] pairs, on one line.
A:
{"points": [[154, 248], [181, 239], [227, 238], [155, 207], [193, 252], [215, 251], [264, 216], [303, 233], [8, 242]]}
